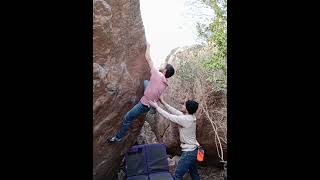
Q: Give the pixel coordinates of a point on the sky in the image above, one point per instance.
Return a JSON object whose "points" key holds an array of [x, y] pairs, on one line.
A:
{"points": [[172, 23]]}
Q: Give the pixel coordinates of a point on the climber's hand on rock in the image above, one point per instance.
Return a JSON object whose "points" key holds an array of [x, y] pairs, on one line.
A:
{"points": [[153, 104]]}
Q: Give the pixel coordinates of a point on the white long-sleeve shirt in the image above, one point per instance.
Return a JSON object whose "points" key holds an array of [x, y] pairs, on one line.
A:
{"points": [[187, 129]]}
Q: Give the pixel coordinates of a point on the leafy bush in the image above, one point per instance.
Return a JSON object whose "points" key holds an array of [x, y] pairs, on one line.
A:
{"points": [[215, 34]]}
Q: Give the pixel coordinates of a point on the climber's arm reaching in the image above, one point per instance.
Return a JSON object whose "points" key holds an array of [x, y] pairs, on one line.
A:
{"points": [[148, 58]]}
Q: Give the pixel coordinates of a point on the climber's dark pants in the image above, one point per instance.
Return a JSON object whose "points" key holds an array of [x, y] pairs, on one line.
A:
{"points": [[133, 114], [187, 162]]}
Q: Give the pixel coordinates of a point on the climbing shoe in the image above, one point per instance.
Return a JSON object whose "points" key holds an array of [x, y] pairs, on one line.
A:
{"points": [[113, 140]]}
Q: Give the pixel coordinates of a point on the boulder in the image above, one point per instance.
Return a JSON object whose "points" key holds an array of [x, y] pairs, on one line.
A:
{"points": [[119, 68]]}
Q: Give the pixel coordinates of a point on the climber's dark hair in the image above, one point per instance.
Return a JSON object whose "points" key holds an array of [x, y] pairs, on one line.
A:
{"points": [[191, 106], [170, 71]]}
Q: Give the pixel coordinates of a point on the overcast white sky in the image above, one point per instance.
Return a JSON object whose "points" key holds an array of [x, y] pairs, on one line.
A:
{"points": [[172, 23]]}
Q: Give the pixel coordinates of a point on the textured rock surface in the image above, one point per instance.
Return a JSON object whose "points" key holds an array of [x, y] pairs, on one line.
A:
{"points": [[173, 162], [177, 93], [146, 135], [119, 68]]}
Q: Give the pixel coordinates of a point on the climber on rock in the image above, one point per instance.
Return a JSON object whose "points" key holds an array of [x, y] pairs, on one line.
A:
{"points": [[152, 92], [187, 131]]}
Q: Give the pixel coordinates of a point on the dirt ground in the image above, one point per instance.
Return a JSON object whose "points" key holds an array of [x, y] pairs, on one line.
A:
{"points": [[208, 173]]}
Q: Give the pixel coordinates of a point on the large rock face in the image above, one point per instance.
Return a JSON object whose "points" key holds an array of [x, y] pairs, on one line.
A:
{"points": [[177, 93], [119, 68], [146, 135]]}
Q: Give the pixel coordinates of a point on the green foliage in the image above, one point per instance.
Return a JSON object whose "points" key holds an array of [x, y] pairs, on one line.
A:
{"points": [[209, 63], [216, 36]]}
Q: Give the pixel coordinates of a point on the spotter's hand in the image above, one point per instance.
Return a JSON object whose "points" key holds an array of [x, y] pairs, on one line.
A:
{"points": [[153, 104]]}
